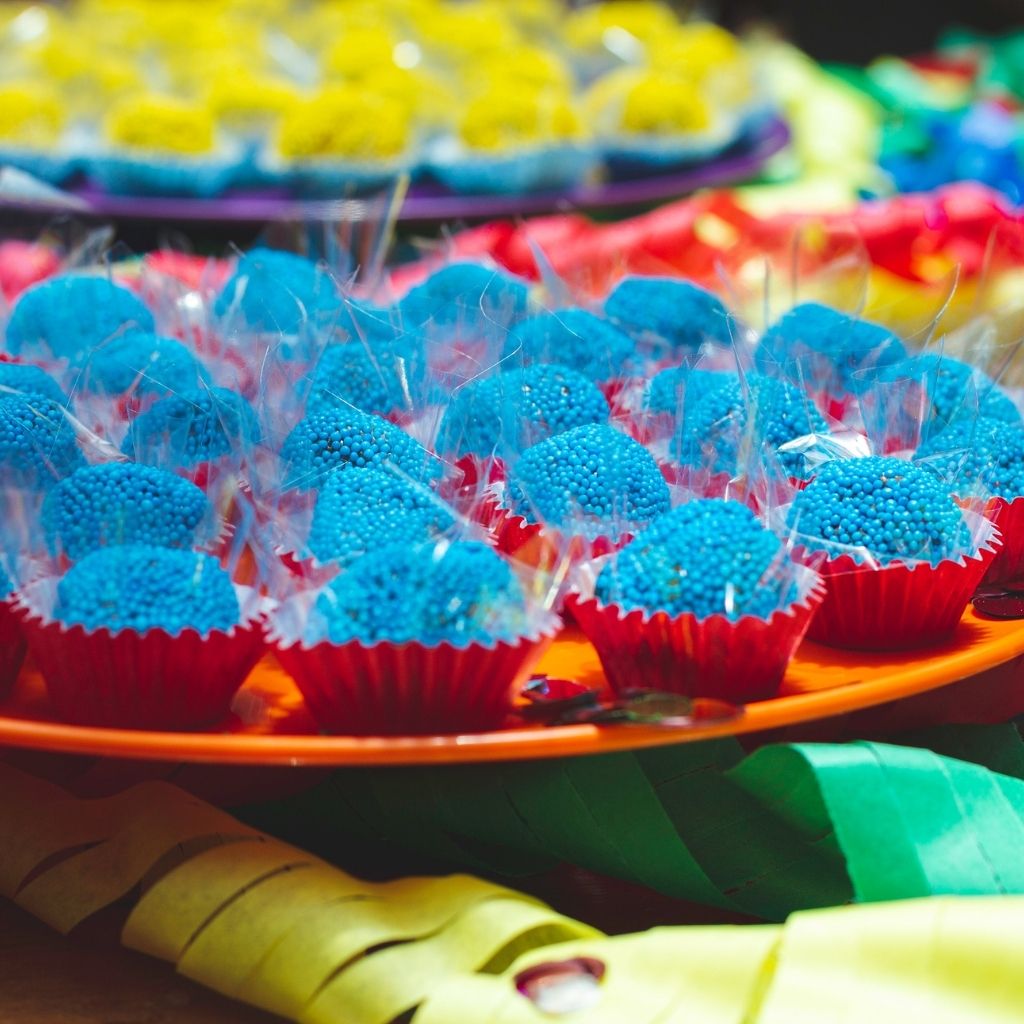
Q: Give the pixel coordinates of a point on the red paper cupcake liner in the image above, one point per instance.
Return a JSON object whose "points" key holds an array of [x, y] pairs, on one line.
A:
{"points": [[738, 660], [409, 689], [466, 487], [12, 646], [148, 680], [897, 607], [1008, 515]]}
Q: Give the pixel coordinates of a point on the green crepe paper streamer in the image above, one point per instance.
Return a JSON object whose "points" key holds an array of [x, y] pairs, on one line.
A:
{"points": [[789, 827]]}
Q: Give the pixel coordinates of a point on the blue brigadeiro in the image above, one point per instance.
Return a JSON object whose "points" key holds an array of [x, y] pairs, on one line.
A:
{"points": [[30, 380], [715, 425], [459, 593], [576, 338], [144, 364], [349, 374], [139, 588], [191, 427], [338, 438], [465, 293], [679, 313], [518, 408], [988, 452], [68, 316], [893, 509], [814, 345], [278, 292], [679, 388], [37, 443], [590, 480], [122, 503], [955, 390], [358, 510], [707, 557]]}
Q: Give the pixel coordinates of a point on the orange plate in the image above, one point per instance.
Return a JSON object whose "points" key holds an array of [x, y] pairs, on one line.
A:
{"points": [[271, 727]]}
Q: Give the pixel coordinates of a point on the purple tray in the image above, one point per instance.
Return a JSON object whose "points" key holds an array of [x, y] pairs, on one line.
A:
{"points": [[426, 202]]}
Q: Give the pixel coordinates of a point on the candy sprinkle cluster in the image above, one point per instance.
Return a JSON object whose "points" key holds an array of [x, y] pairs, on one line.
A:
{"points": [[988, 453], [138, 587], [707, 557], [460, 593], [576, 338], [122, 503], [892, 509], [37, 444]]}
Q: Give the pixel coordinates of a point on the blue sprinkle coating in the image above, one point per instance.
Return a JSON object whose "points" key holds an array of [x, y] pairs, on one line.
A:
{"points": [[138, 587], [31, 380], [680, 313], [143, 364], [591, 480], [955, 390], [190, 427], [348, 374], [37, 444], [355, 510], [988, 451], [895, 510], [679, 388], [814, 343], [122, 503], [69, 315], [577, 338], [278, 291], [339, 438], [460, 593], [707, 557], [465, 293], [715, 426], [520, 408]]}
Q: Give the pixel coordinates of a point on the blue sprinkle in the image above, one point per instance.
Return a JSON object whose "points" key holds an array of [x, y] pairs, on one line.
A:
{"points": [[989, 452], [68, 316], [37, 444], [461, 294], [707, 557], [590, 480], [138, 588], [679, 388], [143, 364], [893, 509], [122, 503], [576, 338], [31, 380], [350, 375], [460, 593]]}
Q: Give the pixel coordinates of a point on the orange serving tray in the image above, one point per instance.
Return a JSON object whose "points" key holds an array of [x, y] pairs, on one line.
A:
{"points": [[270, 726]]}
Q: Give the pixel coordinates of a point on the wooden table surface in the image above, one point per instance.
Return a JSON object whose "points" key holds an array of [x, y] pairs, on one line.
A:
{"points": [[48, 979]]}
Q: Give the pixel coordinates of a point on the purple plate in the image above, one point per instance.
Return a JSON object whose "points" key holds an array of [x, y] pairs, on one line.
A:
{"points": [[427, 202]]}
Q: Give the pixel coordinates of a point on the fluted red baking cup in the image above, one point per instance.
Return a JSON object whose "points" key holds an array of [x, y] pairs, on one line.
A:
{"points": [[388, 689], [306, 571], [12, 646], [738, 660], [1008, 515], [466, 487], [133, 680], [899, 606]]}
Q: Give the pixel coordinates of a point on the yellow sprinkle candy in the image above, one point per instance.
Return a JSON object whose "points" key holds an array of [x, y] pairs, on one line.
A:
{"points": [[505, 117], [527, 65], [359, 51], [161, 123], [242, 99], [30, 114], [344, 122], [648, 102]]}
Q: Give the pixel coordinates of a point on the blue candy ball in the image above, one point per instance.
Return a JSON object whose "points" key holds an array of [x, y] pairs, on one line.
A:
{"points": [[278, 292], [460, 593], [143, 364], [37, 443], [356, 509], [895, 510], [30, 380], [590, 480], [191, 427], [350, 375], [122, 503], [462, 294], [716, 426], [518, 408], [707, 557], [679, 388], [138, 587], [679, 313], [341, 438], [68, 316], [986, 452], [820, 348], [576, 338]]}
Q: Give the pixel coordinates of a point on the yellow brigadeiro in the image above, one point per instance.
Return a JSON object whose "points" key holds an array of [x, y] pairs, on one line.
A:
{"points": [[161, 123], [30, 114], [641, 101], [506, 116]]}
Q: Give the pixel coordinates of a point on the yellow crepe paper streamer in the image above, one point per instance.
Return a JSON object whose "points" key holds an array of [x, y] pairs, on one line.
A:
{"points": [[252, 917]]}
